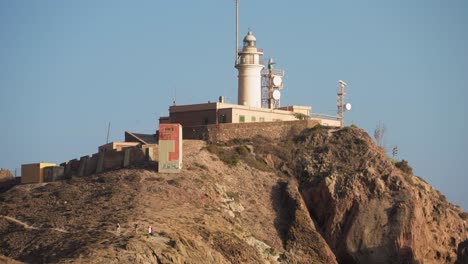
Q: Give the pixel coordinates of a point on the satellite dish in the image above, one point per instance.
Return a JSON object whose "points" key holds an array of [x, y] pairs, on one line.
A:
{"points": [[348, 106], [276, 94], [277, 81]]}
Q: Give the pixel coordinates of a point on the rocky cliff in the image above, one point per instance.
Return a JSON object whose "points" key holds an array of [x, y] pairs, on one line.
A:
{"points": [[368, 210], [318, 196]]}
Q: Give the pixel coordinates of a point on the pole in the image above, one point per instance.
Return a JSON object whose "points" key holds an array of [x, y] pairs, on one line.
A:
{"points": [[108, 129], [237, 31]]}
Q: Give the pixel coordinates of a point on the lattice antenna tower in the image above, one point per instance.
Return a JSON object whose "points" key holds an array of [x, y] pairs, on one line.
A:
{"points": [[341, 105], [272, 83]]}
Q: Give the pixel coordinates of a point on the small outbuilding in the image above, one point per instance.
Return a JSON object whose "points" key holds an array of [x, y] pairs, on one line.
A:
{"points": [[118, 146], [34, 172]]}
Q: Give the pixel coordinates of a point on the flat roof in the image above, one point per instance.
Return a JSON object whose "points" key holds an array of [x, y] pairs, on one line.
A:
{"points": [[216, 105], [145, 139]]}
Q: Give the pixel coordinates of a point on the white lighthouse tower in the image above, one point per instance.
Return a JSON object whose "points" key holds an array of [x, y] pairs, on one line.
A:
{"points": [[250, 64]]}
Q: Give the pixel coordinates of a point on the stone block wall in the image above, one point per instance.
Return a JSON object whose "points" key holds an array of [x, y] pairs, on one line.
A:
{"points": [[226, 132], [53, 173], [113, 159], [91, 164], [109, 160], [137, 154]]}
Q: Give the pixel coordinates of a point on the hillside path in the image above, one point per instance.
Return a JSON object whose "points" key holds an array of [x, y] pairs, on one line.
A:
{"points": [[26, 226]]}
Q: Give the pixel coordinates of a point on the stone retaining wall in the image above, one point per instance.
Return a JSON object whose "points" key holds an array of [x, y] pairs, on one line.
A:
{"points": [[110, 160], [226, 132]]}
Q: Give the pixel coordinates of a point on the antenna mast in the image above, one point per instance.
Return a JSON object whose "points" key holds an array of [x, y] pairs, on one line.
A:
{"points": [[237, 31], [341, 106], [108, 129]]}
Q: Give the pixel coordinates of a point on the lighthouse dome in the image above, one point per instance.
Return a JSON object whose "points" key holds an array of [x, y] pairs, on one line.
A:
{"points": [[250, 39]]}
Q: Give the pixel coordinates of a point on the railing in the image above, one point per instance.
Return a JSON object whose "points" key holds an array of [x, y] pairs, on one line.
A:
{"points": [[330, 117], [260, 62], [241, 50], [275, 72]]}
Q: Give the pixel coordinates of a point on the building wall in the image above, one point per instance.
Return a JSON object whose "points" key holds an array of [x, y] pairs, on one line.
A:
{"points": [[260, 116], [214, 113], [34, 173], [117, 146], [225, 116], [194, 118]]}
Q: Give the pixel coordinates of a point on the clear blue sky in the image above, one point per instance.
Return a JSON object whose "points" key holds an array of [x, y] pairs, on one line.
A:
{"points": [[67, 68]]}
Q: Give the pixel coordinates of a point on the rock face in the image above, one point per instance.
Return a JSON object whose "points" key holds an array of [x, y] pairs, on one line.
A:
{"points": [[318, 196], [368, 210], [5, 175], [302, 241], [7, 180], [462, 253]]}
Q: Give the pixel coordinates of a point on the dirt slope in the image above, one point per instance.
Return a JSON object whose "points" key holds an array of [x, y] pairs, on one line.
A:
{"points": [[320, 197], [210, 213]]}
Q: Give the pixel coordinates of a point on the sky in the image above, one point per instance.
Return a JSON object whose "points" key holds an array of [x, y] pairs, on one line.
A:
{"points": [[69, 68]]}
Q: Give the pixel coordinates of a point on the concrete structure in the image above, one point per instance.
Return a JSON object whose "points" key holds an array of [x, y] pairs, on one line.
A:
{"points": [[34, 172], [170, 148], [117, 146], [250, 64]]}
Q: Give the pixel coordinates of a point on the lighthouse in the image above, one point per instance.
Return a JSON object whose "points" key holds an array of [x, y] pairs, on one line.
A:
{"points": [[257, 88], [250, 64]]}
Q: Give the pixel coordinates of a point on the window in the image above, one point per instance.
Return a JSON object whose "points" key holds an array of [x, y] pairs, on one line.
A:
{"points": [[205, 121], [262, 119], [254, 119], [222, 119], [241, 119]]}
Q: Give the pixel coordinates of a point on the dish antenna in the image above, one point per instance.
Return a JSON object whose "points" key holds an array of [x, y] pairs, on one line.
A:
{"points": [[277, 81], [348, 107], [276, 94]]}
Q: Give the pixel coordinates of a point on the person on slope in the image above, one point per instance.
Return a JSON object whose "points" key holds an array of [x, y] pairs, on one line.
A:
{"points": [[150, 231]]}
